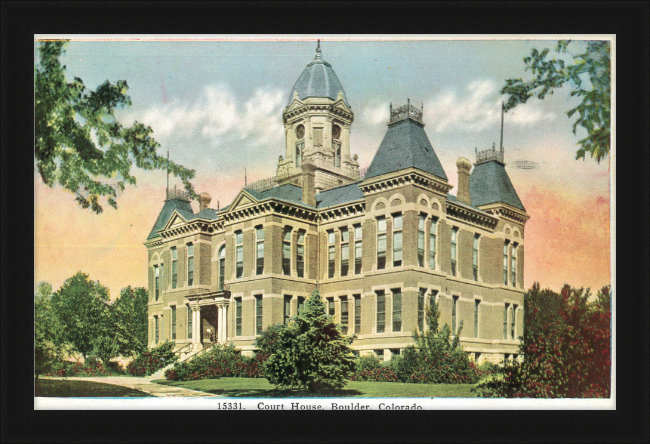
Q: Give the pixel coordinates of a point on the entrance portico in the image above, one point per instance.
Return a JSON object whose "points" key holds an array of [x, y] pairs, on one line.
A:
{"points": [[209, 318]]}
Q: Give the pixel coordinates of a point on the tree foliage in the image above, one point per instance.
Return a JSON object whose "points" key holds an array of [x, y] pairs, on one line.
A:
{"points": [[129, 313], [82, 308], [594, 110], [310, 351], [78, 142], [566, 348], [49, 343]]}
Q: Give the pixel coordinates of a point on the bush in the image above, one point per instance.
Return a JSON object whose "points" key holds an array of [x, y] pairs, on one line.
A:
{"points": [[153, 360], [379, 374], [89, 368], [566, 349], [220, 361], [310, 351]]}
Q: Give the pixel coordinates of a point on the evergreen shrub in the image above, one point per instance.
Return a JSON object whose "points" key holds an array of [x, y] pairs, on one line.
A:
{"points": [[153, 360]]}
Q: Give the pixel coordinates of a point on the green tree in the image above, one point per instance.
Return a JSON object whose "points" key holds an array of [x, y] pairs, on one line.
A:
{"points": [[590, 78], [310, 351], [82, 307], [129, 313], [78, 142], [49, 344]]}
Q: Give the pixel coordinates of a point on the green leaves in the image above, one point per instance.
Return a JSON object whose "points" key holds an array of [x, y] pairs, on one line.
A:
{"points": [[594, 110], [78, 142]]}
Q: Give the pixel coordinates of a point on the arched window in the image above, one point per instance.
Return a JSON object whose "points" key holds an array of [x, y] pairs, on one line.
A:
{"points": [[222, 266]]}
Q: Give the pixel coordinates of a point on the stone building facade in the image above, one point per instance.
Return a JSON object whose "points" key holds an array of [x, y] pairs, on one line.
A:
{"points": [[380, 246]]}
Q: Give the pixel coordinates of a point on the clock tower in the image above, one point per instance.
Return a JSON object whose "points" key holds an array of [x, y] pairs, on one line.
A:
{"points": [[317, 123]]}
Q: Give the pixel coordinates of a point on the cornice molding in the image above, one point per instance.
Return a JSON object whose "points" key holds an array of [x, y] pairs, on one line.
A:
{"points": [[410, 177]]}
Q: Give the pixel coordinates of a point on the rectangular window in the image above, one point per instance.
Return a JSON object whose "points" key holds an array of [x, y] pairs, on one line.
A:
{"points": [[318, 136], [475, 257], [454, 242], [421, 221], [238, 316], [357, 313], [301, 304], [189, 321], [397, 310], [286, 251], [286, 309], [259, 311], [331, 254], [239, 253], [173, 307], [513, 323], [344, 315], [357, 249], [174, 267], [300, 254], [432, 243], [423, 291], [381, 243], [477, 304], [156, 272], [454, 315], [381, 311], [505, 321], [259, 255], [433, 298], [156, 336], [345, 251], [300, 147], [337, 153], [330, 307], [190, 265], [397, 240], [222, 267], [513, 271], [505, 263]]}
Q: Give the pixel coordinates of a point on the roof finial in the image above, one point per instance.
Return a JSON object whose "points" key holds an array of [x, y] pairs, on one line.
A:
{"points": [[318, 54]]}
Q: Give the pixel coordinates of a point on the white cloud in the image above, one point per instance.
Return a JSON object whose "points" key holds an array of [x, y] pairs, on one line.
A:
{"points": [[375, 114], [476, 109]]}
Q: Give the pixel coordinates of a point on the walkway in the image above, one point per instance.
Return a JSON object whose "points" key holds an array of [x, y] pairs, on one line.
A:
{"points": [[141, 383]]}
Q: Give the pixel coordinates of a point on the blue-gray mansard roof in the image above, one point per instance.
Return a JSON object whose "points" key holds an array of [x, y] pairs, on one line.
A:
{"points": [[489, 183], [318, 80], [405, 145], [339, 195], [182, 206]]}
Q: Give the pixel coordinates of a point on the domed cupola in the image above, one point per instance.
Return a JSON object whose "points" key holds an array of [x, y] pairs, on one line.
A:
{"points": [[317, 80]]}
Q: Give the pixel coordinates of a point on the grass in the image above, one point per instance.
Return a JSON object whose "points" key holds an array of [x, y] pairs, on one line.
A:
{"points": [[261, 388], [51, 388]]}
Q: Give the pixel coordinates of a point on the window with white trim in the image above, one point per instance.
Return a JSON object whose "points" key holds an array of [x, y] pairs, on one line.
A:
{"points": [[286, 251], [454, 250], [345, 251], [381, 243], [358, 249], [222, 267], [475, 256], [421, 221], [300, 254], [513, 270], [190, 264], [239, 253], [259, 312], [397, 309], [397, 239], [174, 267], [331, 253], [259, 250], [381, 311], [432, 243]]}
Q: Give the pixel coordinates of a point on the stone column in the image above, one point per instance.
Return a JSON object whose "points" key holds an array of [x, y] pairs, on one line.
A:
{"points": [[196, 327], [220, 322]]}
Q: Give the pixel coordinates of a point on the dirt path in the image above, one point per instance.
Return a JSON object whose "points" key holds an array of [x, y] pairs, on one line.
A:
{"points": [[143, 383]]}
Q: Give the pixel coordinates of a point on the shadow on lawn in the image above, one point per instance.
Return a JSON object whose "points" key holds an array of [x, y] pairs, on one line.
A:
{"points": [[283, 393]]}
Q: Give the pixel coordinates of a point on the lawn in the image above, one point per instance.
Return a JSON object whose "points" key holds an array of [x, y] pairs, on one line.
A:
{"points": [[51, 388], [261, 388]]}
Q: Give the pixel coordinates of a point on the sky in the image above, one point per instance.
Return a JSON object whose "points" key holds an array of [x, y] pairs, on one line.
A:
{"points": [[216, 104]]}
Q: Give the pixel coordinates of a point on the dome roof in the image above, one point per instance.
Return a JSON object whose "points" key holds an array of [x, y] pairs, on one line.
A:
{"points": [[318, 80]]}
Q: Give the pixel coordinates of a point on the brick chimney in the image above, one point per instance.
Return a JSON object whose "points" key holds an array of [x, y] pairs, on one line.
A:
{"points": [[204, 201], [464, 167], [308, 183]]}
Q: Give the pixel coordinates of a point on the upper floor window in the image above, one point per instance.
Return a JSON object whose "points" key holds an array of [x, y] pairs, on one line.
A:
{"points": [[513, 270], [174, 267], [173, 309], [239, 253], [505, 263], [156, 285], [381, 311], [331, 253], [358, 249], [421, 221], [190, 264], [475, 257], [189, 321], [259, 248], [421, 295], [156, 335], [286, 251], [397, 239], [454, 252], [432, 243], [397, 310], [300, 254], [381, 243], [344, 315], [345, 251], [222, 267], [506, 308]]}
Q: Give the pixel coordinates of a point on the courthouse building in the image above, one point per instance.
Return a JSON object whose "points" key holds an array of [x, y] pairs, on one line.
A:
{"points": [[379, 244]]}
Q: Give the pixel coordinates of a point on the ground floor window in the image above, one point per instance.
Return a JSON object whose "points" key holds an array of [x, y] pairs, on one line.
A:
{"points": [[381, 312], [344, 315], [357, 313], [238, 316]]}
